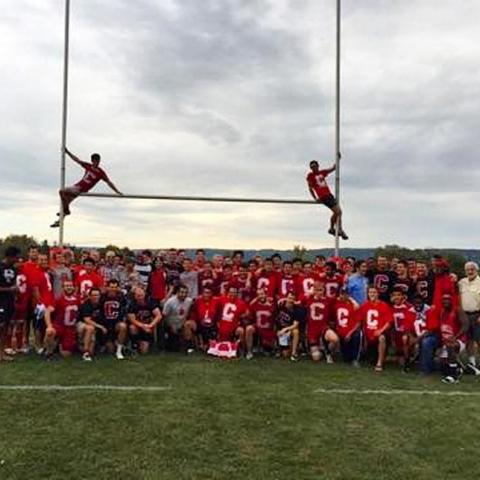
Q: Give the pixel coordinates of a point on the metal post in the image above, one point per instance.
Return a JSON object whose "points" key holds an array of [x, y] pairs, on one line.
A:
{"points": [[337, 125], [64, 114]]}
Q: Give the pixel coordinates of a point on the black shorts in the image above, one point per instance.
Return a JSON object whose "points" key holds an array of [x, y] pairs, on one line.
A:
{"points": [[143, 336], [109, 337], [6, 315], [473, 326], [329, 201], [207, 333]]}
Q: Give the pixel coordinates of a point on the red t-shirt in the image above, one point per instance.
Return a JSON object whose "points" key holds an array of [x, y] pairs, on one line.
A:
{"points": [[304, 286], [286, 284], [404, 318], [263, 314], [345, 317], [22, 299], [319, 312], [205, 314], [158, 284], [90, 178], [317, 182], [66, 311], [332, 284], [232, 311], [374, 316], [45, 289], [267, 281], [86, 281]]}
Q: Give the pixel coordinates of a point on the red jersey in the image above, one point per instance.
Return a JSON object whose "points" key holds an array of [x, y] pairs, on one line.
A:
{"points": [[447, 323], [232, 311], [86, 281], [22, 299], [158, 284], [345, 317], [243, 287], [66, 311], [45, 289], [317, 182], [374, 316], [286, 285], [206, 279], [267, 281], [332, 284], [90, 178], [205, 314], [319, 311], [263, 314], [304, 286], [404, 318]]}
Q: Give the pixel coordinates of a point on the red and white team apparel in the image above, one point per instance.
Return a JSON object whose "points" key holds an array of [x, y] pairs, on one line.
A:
{"points": [[242, 285], [65, 321], [317, 182], [90, 178], [231, 311], [205, 314], [286, 285], [86, 281], [319, 315], [206, 279], [403, 321], [346, 318], [45, 289], [374, 317], [263, 315], [24, 295], [304, 286], [266, 281], [332, 284]]}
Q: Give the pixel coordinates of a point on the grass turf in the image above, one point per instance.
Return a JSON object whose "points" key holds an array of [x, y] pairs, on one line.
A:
{"points": [[232, 420]]}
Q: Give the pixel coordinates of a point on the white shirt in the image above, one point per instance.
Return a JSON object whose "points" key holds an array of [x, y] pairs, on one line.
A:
{"points": [[470, 294]]}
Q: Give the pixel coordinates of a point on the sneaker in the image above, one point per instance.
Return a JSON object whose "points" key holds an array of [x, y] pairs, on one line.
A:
{"points": [[329, 359], [10, 351], [55, 224], [331, 231], [449, 379], [86, 357], [119, 355], [190, 351], [356, 364], [249, 356], [294, 358], [40, 351], [24, 350], [343, 235], [469, 368]]}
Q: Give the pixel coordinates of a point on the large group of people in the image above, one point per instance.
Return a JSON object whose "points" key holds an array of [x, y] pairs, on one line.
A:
{"points": [[374, 311]]}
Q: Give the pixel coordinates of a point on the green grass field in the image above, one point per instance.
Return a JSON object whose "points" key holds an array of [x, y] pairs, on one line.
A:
{"points": [[263, 419]]}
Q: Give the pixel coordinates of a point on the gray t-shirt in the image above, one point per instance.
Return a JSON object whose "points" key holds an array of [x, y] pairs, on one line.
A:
{"points": [[59, 275], [176, 312], [190, 280]]}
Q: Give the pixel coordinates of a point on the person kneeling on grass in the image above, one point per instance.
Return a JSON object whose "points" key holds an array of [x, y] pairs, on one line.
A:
{"points": [[348, 328], [143, 316], [319, 316], [113, 307], [175, 313], [376, 319], [262, 311], [90, 321], [60, 320], [289, 316], [202, 323]]}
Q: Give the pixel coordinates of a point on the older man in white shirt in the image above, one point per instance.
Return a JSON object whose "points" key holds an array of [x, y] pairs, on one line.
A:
{"points": [[469, 288]]}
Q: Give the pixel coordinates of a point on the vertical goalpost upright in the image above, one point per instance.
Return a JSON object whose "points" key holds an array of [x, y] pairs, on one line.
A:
{"points": [[199, 198]]}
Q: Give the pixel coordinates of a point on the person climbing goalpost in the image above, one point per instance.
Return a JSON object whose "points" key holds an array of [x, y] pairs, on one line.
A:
{"points": [[93, 174], [321, 193]]}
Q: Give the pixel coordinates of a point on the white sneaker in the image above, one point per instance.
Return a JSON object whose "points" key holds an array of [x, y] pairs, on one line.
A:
{"points": [[470, 367], [329, 359], [356, 364], [119, 354], [449, 379], [10, 351], [249, 356], [86, 357], [190, 351]]}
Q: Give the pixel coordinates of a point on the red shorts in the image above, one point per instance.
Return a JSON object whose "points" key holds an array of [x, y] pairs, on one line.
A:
{"points": [[226, 331], [67, 336], [267, 336], [21, 312], [315, 332], [398, 341]]}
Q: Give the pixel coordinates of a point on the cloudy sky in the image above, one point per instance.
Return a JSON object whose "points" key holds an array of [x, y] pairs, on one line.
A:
{"points": [[234, 97]]}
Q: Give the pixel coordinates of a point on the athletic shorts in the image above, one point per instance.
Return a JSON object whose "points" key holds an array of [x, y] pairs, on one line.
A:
{"points": [[473, 326], [207, 333], [267, 336], [371, 352], [143, 336], [398, 342], [226, 331], [109, 337], [315, 333], [6, 315], [67, 337], [329, 201], [73, 191], [21, 312]]}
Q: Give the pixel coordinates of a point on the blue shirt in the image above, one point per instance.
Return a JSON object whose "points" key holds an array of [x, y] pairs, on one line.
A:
{"points": [[357, 287]]}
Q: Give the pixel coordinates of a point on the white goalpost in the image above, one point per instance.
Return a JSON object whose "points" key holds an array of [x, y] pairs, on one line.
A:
{"points": [[198, 198]]}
